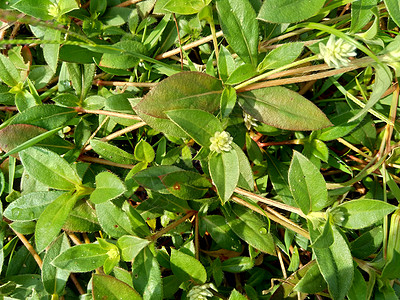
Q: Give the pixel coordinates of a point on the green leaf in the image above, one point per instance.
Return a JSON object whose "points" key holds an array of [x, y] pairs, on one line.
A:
{"points": [[246, 179], [198, 124], [82, 218], [81, 258], [238, 22], [186, 185], [367, 243], [54, 279], [228, 101], [237, 264], [289, 11], [357, 214], [8, 72], [281, 56], [241, 73], [226, 63], [110, 288], [184, 90], [221, 233], [108, 187], [283, 108], [186, 267], [111, 152], [335, 263], [130, 246], [393, 7], [312, 282], [123, 60], [307, 184], [342, 126], [185, 7], [235, 295], [250, 228], [361, 13], [30, 206], [45, 116], [359, 287], [144, 152], [34, 8], [146, 275], [151, 177], [224, 171], [51, 51], [49, 168], [325, 239], [52, 219]]}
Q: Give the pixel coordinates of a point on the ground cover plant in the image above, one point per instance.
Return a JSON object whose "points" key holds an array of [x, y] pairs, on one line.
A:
{"points": [[203, 149]]}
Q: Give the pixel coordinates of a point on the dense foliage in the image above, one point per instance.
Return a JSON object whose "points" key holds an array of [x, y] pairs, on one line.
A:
{"points": [[203, 149]]}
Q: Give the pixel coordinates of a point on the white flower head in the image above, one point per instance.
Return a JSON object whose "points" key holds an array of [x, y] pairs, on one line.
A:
{"points": [[336, 53], [221, 141], [201, 292], [249, 121]]}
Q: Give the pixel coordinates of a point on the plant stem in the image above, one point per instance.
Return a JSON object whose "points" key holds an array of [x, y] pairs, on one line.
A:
{"points": [[104, 162], [106, 113], [30, 248], [124, 83]]}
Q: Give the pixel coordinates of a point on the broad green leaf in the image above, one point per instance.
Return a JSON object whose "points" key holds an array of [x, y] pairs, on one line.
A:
{"points": [[55, 279], [357, 214], [146, 275], [250, 228], [130, 246], [237, 264], [45, 116], [186, 185], [281, 56], [81, 258], [335, 262], [367, 243], [144, 152], [224, 171], [186, 267], [361, 14], [238, 22], [289, 11], [283, 108], [82, 218], [235, 295], [312, 282], [150, 177], [241, 73], [8, 72], [110, 288], [359, 288], [30, 206], [51, 51], [325, 239], [246, 179], [67, 6], [393, 7], [185, 7], [111, 152], [198, 124], [49, 168], [108, 187], [226, 63], [157, 203], [123, 60], [52, 219], [185, 90], [228, 101], [307, 184], [342, 126], [35, 8], [221, 233]]}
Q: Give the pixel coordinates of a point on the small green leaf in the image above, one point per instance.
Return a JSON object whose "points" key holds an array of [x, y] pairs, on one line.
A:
{"points": [[110, 288], [238, 22], [283, 108], [8, 72], [307, 184], [325, 239], [289, 11], [130, 246], [123, 60], [361, 14], [82, 218], [393, 7], [237, 264], [250, 228], [51, 51], [49, 168], [228, 101], [184, 7], [52, 219], [187, 267], [81, 258], [246, 179], [224, 171], [367, 243], [198, 124], [151, 177], [235, 295], [241, 73], [359, 287], [112, 152], [281, 56], [144, 152], [35, 8], [312, 282], [108, 187], [357, 214], [186, 185]]}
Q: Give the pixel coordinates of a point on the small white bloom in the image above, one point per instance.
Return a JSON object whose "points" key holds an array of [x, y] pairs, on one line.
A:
{"points": [[221, 141], [54, 10], [201, 292], [249, 121], [336, 52]]}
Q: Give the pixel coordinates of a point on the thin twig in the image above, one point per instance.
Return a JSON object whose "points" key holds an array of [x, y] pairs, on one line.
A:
{"points": [[107, 113], [30, 248], [77, 284], [179, 40], [196, 236], [103, 162], [124, 83], [74, 238], [127, 3]]}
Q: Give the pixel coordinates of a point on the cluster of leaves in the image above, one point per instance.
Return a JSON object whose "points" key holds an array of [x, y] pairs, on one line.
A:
{"points": [[236, 176]]}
